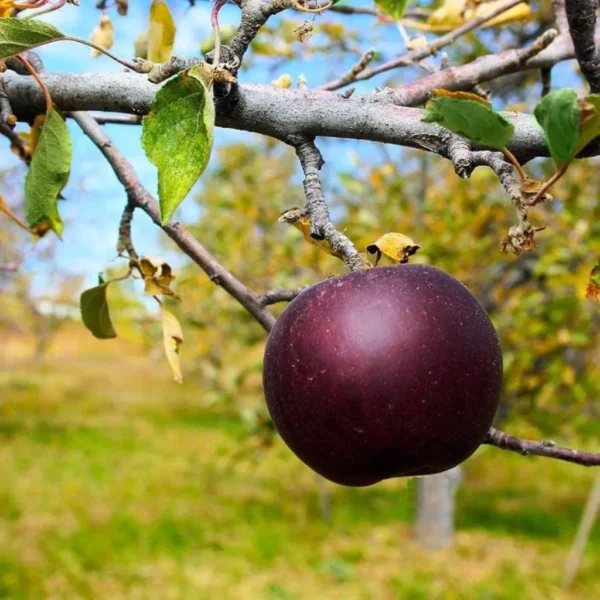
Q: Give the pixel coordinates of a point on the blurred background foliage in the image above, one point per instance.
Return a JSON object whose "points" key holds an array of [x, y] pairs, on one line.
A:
{"points": [[117, 483]]}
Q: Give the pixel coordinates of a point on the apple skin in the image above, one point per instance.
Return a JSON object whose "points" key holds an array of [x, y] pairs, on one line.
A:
{"points": [[384, 372]]}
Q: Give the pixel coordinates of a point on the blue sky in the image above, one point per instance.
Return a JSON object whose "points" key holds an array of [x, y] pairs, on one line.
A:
{"points": [[94, 197]]}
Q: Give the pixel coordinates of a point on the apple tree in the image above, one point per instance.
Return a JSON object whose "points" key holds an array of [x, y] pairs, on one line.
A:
{"points": [[434, 84]]}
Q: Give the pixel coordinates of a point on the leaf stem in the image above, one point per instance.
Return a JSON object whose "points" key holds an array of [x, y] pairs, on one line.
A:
{"points": [[558, 175], [100, 49], [38, 80], [214, 19], [513, 160], [13, 217]]}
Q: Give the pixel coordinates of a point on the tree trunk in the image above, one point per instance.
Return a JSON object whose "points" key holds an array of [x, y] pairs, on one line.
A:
{"points": [[435, 508]]}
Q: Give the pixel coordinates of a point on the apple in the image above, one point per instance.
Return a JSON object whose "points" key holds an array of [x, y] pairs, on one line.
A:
{"points": [[384, 372]]}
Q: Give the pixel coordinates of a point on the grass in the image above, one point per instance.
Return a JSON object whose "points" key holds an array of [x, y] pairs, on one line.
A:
{"points": [[118, 484]]}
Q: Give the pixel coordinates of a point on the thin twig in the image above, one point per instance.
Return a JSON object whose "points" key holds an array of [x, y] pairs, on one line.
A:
{"points": [[140, 196], [107, 119], [505, 441], [542, 191], [419, 54], [351, 75], [281, 295], [464, 77]]}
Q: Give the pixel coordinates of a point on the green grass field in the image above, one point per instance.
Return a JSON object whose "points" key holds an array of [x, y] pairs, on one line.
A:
{"points": [[116, 483]]}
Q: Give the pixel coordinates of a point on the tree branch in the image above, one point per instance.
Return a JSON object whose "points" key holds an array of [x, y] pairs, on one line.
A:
{"points": [[281, 295], [504, 441], [485, 68], [141, 198], [321, 228], [581, 16], [414, 56], [267, 110]]}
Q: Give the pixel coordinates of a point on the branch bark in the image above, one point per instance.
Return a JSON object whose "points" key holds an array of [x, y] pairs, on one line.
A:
{"points": [[581, 16], [265, 109], [141, 198]]}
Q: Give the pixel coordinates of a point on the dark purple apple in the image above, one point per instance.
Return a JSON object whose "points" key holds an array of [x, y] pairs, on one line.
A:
{"points": [[384, 372]]}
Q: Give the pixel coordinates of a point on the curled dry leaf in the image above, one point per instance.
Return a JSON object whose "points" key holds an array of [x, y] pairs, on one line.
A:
{"points": [[301, 221], [173, 338], [396, 246], [157, 275], [122, 7], [304, 32], [103, 35]]}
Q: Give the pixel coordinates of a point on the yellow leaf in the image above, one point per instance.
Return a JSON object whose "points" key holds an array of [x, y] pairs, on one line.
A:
{"points": [[461, 96], [449, 14], [295, 217], [397, 246], [520, 12], [103, 35], [531, 186], [173, 338], [161, 35], [417, 42], [141, 45], [283, 81]]}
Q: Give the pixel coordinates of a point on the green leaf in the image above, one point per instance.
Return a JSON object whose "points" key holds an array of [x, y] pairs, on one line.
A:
{"points": [[178, 135], [469, 117], [19, 35], [94, 312], [394, 8], [559, 115], [590, 121], [47, 175]]}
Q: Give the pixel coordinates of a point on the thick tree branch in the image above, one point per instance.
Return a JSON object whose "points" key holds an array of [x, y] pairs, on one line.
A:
{"points": [[141, 198], [481, 70], [504, 441], [581, 16], [266, 110]]}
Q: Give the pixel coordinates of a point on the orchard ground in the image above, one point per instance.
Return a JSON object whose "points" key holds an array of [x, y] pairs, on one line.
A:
{"points": [[117, 483]]}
